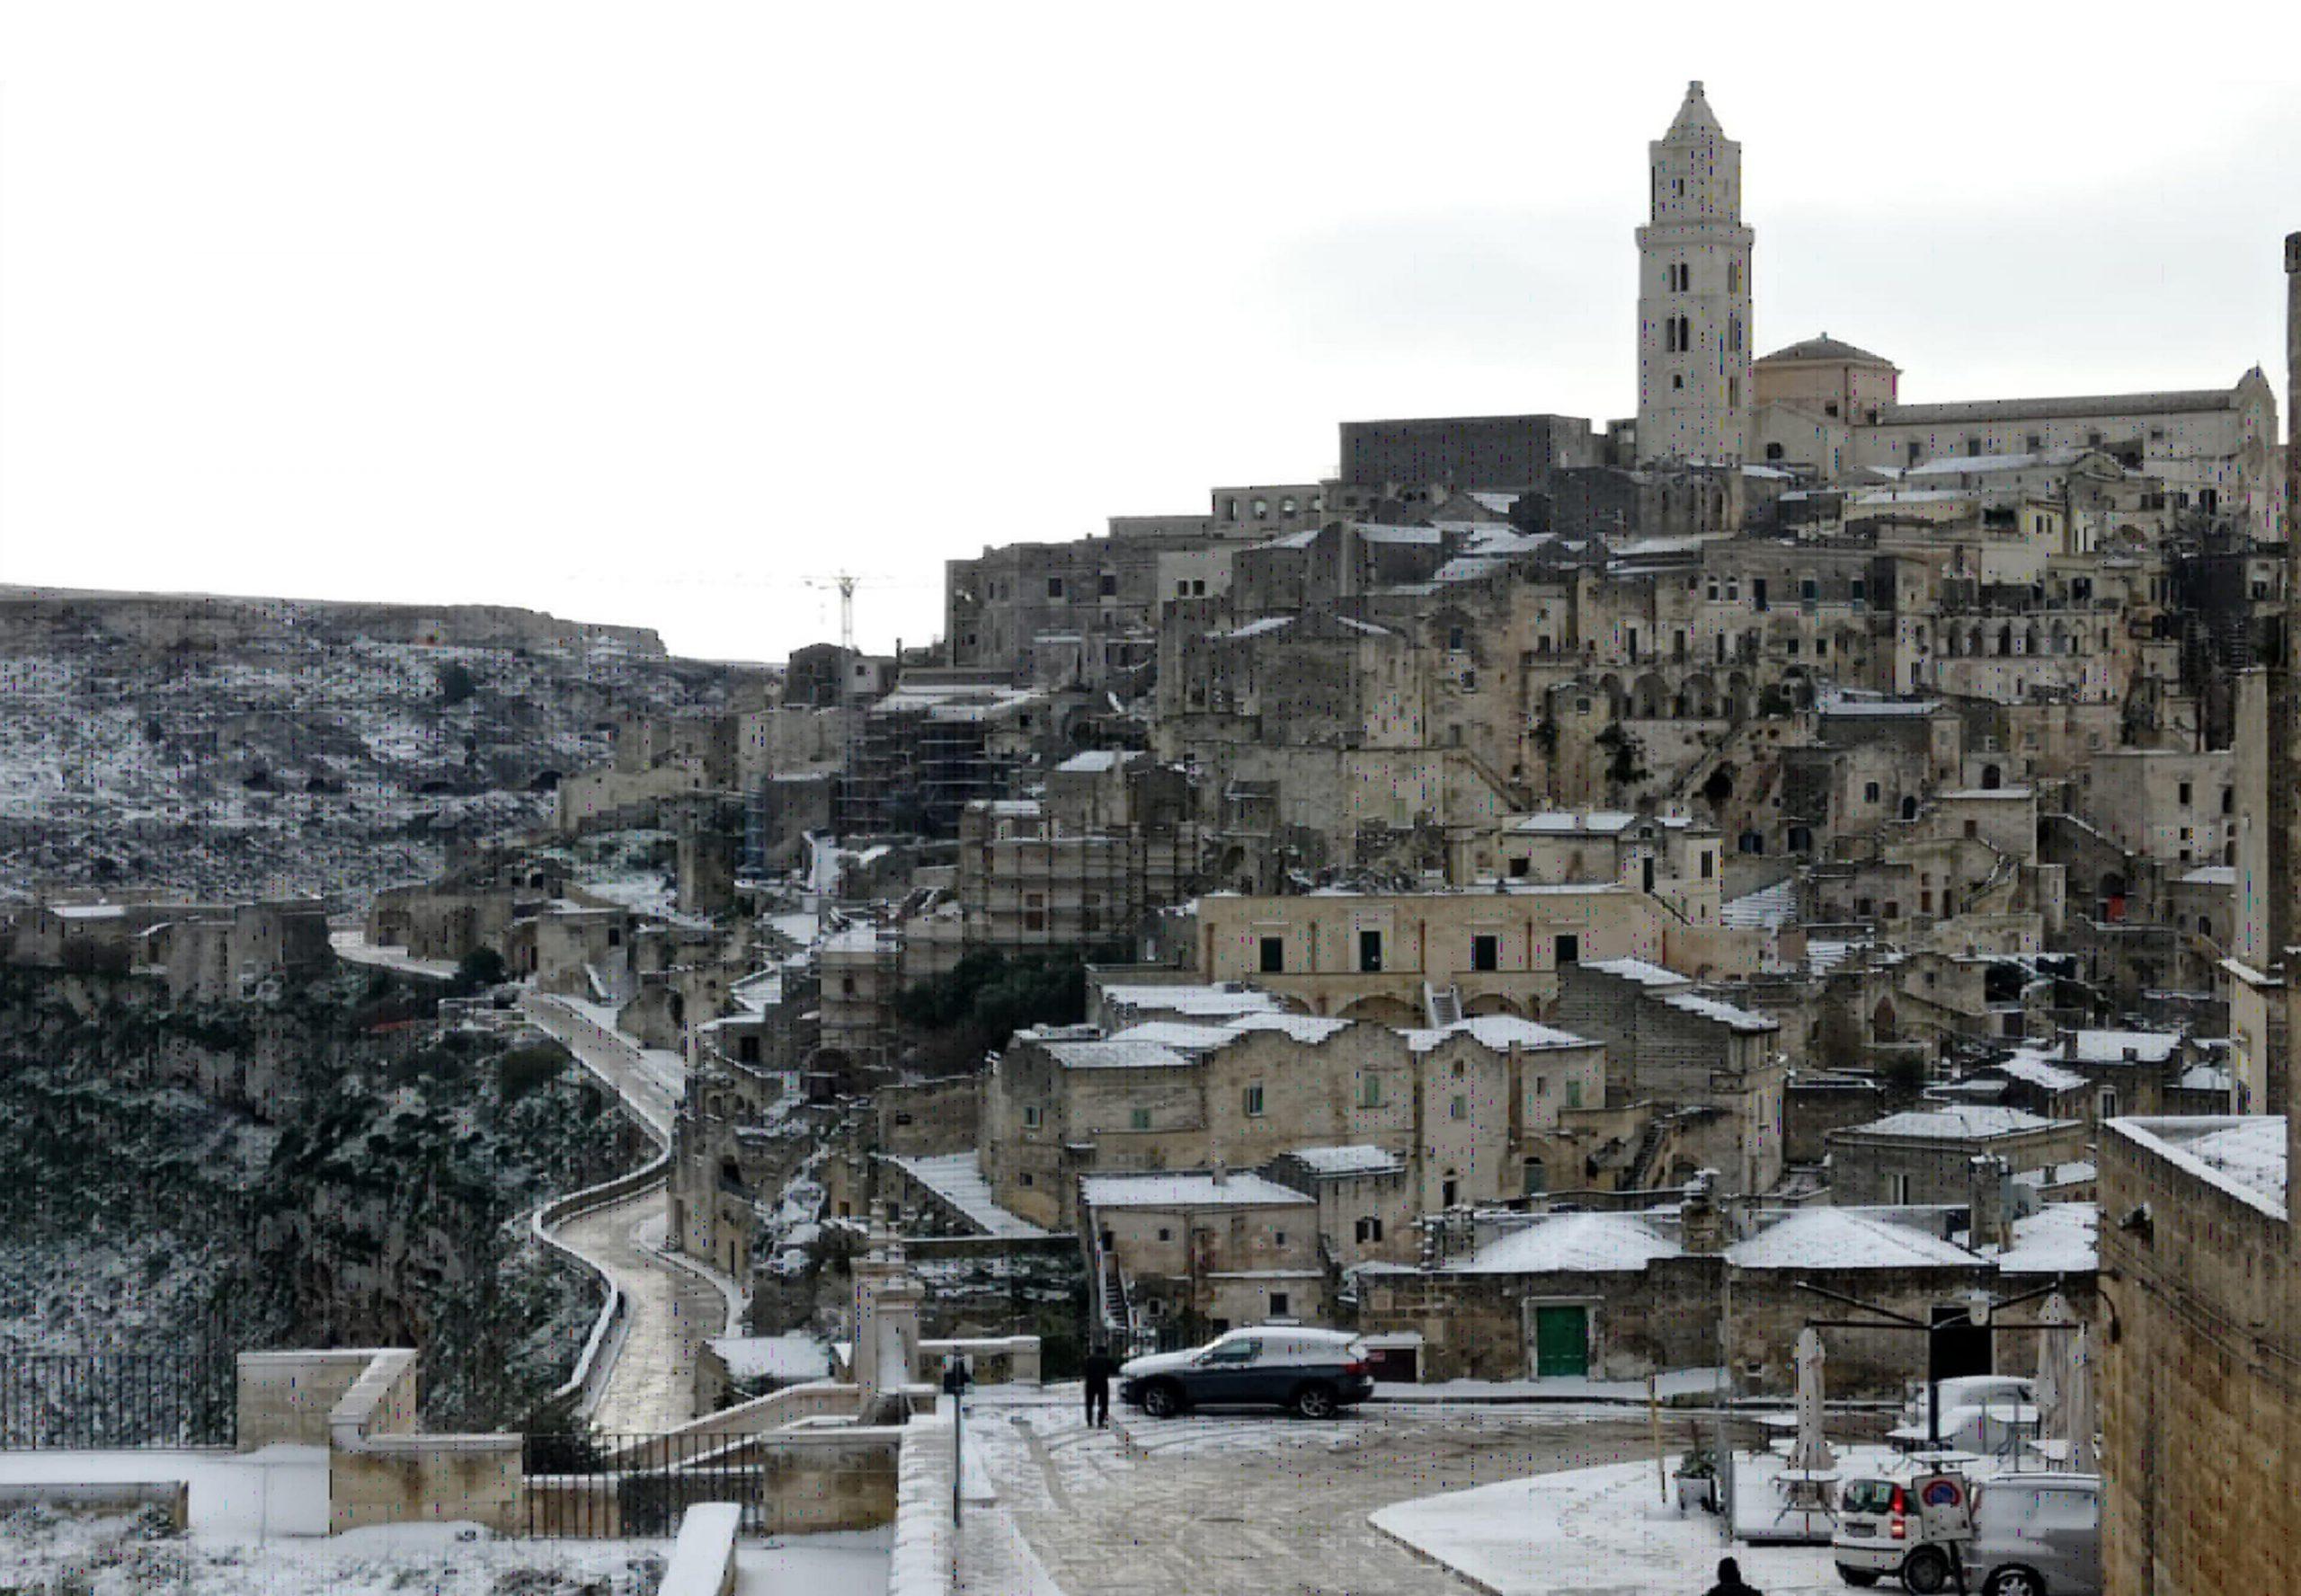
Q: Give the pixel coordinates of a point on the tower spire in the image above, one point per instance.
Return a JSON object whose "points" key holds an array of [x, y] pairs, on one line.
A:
{"points": [[1693, 296]]}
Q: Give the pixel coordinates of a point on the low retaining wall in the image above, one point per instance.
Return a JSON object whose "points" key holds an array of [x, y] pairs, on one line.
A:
{"points": [[703, 1558], [285, 1398], [817, 1399], [173, 1497], [927, 1543], [994, 1361], [380, 1471], [793, 1482]]}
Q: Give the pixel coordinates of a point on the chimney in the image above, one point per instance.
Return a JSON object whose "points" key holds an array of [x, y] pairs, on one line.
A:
{"points": [[1987, 1222], [1701, 1223]]}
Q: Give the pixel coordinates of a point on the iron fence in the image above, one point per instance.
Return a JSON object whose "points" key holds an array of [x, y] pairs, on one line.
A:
{"points": [[590, 1485], [99, 1401]]}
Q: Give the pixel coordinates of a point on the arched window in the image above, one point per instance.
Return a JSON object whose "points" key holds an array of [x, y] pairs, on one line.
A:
{"points": [[1991, 778]]}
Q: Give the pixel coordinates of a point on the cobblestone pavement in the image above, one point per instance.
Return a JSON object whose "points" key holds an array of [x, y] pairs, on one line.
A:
{"points": [[1261, 1505]]}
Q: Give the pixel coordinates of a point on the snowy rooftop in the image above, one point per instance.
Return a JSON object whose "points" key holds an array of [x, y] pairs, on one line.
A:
{"points": [[1992, 464], [1572, 1244], [1595, 822], [1198, 1000], [793, 1356], [1096, 759], [1349, 1160], [2036, 1069], [1723, 1014], [2205, 1078], [2123, 1046], [2056, 1239], [2211, 875], [2243, 1156], [1971, 794], [1843, 1238], [1638, 969], [958, 1179], [1375, 532], [1498, 1031], [1834, 701], [1956, 1122], [1767, 909], [1189, 1189], [1268, 623]]}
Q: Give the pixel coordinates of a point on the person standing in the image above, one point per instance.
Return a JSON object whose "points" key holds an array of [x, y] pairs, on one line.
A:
{"points": [[1729, 1580], [1098, 1368]]}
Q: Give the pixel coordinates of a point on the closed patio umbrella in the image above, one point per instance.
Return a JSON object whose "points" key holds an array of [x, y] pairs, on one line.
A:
{"points": [[1811, 1450]]}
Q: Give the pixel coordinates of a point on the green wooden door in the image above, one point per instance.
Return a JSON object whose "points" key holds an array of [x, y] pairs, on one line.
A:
{"points": [[1562, 1340]]}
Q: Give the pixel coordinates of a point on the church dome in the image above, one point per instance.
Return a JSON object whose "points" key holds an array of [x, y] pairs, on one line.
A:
{"points": [[1824, 347]]}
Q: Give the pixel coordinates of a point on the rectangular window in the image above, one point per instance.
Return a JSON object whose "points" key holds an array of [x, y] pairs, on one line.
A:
{"points": [[1869, 791], [1274, 955], [1370, 1091], [1278, 1304], [2185, 794], [1138, 1119], [1573, 1094], [1370, 953], [1110, 584], [1520, 865], [1565, 950], [1709, 863], [1054, 587], [1458, 1107], [1486, 953], [1897, 1188], [1032, 1115], [1369, 1229], [1254, 1102]]}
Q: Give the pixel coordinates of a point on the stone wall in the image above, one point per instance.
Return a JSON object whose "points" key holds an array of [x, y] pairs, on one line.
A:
{"points": [[2201, 1380]]}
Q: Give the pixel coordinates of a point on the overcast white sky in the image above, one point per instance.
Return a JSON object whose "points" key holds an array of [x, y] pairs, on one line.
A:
{"points": [[645, 312]]}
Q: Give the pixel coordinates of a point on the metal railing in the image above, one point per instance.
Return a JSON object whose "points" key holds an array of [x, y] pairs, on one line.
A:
{"points": [[103, 1401], [584, 1486]]}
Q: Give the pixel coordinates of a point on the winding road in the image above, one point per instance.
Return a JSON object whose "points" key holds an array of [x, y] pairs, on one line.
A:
{"points": [[671, 1308]]}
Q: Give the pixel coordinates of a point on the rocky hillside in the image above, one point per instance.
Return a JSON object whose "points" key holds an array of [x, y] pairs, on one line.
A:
{"points": [[234, 747], [316, 1170]]}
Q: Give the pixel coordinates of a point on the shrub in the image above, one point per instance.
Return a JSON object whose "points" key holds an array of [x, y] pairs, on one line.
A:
{"points": [[523, 1069], [457, 683]]}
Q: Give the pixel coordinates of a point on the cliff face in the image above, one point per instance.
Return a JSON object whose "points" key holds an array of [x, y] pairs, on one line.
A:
{"points": [[286, 1173], [240, 747]]}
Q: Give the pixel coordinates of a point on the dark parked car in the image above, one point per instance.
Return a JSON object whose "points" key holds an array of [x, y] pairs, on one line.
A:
{"points": [[1312, 1373]]}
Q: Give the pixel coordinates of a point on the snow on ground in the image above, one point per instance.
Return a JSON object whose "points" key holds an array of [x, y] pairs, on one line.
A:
{"points": [[1591, 1532], [851, 1563], [1674, 1384], [958, 1179]]}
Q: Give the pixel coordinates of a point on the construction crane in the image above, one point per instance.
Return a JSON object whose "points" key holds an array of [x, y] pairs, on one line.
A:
{"points": [[844, 583]]}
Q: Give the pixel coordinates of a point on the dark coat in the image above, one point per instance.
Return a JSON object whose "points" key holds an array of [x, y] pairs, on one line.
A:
{"points": [[1098, 1368]]}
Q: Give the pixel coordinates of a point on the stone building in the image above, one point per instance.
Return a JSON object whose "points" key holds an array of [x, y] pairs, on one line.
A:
{"points": [[1927, 1154], [1203, 1250], [1478, 1110], [1669, 1044], [1497, 949]]}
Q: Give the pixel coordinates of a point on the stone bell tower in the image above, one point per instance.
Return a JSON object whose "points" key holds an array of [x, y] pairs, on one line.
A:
{"points": [[1693, 296]]}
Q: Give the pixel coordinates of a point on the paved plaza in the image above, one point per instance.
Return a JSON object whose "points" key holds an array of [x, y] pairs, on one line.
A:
{"points": [[1255, 1504]]}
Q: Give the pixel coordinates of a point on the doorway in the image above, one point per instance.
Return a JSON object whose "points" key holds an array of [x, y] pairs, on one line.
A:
{"points": [[1561, 1340]]}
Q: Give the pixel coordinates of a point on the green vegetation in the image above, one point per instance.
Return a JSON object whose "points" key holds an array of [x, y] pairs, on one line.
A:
{"points": [[959, 1016], [477, 971]]}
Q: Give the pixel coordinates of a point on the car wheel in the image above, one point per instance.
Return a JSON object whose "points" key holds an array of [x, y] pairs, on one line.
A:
{"points": [[1314, 1401], [1926, 1572], [2015, 1582], [1163, 1401]]}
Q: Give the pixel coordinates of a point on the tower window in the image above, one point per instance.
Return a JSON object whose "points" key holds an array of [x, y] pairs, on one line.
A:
{"points": [[1677, 383]]}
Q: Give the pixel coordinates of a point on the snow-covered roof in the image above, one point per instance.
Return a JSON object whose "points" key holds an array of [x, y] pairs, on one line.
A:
{"points": [[1973, 794], [2205, 1078], [1580, 1244], [792, 1356], [1638, 971], [1766, 909], [1500, 1032], [1992, 464], [1594, 822], [1724, 1013], [1835, 701], [1189, 1189], [2034, 1068], [1362, 1159], [1127, 1050], [1843, 1238], [1376, 532], [2059, 1239], [2211, 875], [1309, 1028], [1956, 1122], [958, 1179], [2250, 1154], [2123, 1046], [1268, 623], [1196, 1000], [1095, 760]]}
